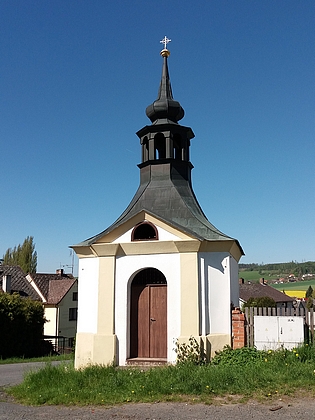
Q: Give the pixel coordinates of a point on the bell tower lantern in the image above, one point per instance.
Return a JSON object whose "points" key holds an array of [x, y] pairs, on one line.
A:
{"points": [[166, 141]]}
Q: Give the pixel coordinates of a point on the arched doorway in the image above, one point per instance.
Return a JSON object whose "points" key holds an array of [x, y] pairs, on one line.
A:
{"points": [[148, 315]]}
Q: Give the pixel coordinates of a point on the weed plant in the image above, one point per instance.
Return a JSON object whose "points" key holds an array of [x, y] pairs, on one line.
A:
{"points": [[245, 373]]}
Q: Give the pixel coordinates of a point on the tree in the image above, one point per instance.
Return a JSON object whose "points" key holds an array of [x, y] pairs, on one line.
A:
{"points": [[22, 323], [23, 255], [309, 292]]}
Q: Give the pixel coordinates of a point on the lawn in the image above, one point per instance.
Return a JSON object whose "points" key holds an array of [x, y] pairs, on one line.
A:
{"points": [[250, 275], [295, 289], [232, 374], [46, 359], [297, 285]]}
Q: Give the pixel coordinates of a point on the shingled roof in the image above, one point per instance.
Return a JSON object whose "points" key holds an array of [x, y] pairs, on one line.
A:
{"points": [[258, 290], [19, 284], [53, 287]]}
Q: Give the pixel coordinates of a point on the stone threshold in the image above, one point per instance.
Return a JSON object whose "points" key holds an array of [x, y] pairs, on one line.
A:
{"points": [[146, 361]]}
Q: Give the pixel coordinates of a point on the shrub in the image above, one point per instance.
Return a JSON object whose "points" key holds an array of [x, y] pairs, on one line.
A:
{"points": [[237, 357], [260, 302], [190, 352], [22, 322]]}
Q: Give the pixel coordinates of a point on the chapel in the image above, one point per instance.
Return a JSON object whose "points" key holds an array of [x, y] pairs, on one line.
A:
{"points": [[161, 273]]}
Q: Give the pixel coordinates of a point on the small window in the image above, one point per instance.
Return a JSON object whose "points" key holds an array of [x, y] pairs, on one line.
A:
{"points": [[73, 314], [75, 296], [144, 231]]}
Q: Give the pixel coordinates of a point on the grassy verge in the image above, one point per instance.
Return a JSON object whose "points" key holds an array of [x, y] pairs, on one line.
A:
{"points": [[245, 373], [46, 359]]}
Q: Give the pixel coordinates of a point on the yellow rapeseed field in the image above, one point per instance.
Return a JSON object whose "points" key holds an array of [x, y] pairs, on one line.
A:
{"points": [[295, 293]]}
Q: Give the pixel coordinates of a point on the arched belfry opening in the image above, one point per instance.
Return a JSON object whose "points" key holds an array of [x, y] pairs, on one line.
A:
{"points": [[144, 231], [148, 315], [160, 146]]}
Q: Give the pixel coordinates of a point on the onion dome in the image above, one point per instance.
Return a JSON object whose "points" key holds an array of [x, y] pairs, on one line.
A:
{"points": [[165, 109]]}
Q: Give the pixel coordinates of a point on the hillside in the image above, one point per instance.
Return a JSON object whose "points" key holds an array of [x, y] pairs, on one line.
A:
{"points": [[276, 271]]}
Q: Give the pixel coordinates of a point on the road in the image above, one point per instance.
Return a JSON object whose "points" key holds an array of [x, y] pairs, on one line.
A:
{"points": [[12, 374], [280, 410]]}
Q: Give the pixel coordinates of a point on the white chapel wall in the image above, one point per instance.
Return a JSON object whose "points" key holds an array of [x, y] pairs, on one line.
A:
{"points": [[215, 305], [234, 282], [126, 268]]}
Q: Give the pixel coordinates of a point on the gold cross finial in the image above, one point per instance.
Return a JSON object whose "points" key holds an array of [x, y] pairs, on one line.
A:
{"points": [[165, 41], [165, 52]]}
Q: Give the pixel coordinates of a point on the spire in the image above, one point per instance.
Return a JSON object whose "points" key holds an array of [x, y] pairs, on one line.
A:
{"points": [[165, 109]]}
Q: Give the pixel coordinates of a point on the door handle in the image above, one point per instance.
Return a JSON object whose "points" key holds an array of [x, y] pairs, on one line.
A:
{"points": [[152, 319]]}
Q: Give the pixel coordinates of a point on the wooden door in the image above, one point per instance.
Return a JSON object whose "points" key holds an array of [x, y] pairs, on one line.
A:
{"points": [[148, 330]]}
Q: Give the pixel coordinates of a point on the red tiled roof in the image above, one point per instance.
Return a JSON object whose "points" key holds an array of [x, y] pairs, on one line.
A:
{"points": [[58, 289], [43, 282]]}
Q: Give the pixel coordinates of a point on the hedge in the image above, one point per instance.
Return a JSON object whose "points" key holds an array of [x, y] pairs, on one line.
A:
{"points": [[21, 327]]}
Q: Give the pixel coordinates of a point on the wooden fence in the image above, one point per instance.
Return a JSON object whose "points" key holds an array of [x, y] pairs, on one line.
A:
{"points": [[308, 316]]}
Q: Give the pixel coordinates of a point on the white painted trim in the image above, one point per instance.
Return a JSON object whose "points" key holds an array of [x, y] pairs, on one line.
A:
{"points": [[35, 287]]}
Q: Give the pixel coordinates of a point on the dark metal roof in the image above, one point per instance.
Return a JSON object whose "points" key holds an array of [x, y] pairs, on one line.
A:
{"points": [[165, 108], [173, 201]]}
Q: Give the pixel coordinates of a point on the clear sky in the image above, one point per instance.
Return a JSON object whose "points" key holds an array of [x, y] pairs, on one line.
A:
{"points": [[76, 77]]}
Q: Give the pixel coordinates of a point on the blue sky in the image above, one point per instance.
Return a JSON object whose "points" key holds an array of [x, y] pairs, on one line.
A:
{"points": [[76, 77]]}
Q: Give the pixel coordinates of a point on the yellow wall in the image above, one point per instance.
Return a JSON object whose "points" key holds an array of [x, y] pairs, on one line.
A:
{"points": [[189, 294]]}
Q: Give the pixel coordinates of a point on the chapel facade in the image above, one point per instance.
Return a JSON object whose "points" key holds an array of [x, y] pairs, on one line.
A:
{"points": [[161, 272]]}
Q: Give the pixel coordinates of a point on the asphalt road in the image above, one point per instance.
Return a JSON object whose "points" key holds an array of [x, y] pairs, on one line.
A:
{"points": [[13, 374]]}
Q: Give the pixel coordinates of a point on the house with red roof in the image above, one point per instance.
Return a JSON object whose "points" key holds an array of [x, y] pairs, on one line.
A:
{"points": [[249, 290], [58, 293]]}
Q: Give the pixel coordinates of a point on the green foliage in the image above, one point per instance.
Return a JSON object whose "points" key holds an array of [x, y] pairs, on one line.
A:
{"points": [[310, 303], [190, 352], [237, 357], [250, 355], [23, 255], [52, 357], [22, 322], [309, 292], [244, 372], [261, 302]]}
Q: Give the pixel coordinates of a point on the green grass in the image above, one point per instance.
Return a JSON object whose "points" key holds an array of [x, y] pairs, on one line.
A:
{"points": [[245, 373], [37, 359], [298, 285], [250, 275], [254, 276]]}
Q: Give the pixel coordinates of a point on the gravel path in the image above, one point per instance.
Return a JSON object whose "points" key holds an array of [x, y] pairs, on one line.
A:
{"points": [[296, 410]]}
